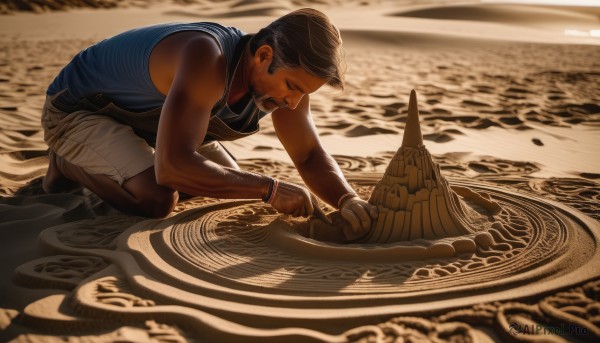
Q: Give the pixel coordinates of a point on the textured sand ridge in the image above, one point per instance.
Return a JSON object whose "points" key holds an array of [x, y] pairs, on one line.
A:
{"points": [[508, 122], [232, 266]]}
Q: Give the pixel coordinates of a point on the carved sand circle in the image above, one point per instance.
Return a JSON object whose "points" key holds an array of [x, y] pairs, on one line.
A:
{"points": [[437, 244], [241, 253]]}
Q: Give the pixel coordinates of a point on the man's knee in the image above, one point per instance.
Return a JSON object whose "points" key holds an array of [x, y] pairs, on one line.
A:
{"points": [[150, 199], [158, 204], [215, 152]]}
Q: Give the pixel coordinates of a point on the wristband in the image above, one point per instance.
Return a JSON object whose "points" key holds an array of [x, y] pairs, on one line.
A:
{"points": [[267, 196], [346, 197], [272, 196]]}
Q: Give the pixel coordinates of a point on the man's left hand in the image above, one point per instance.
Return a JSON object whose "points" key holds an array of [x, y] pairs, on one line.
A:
{"points": [[359, 213]]}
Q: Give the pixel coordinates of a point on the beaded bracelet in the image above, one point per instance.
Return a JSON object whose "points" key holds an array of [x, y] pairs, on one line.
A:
{"points": [[272, 196], [345, 197], [268, 198]]}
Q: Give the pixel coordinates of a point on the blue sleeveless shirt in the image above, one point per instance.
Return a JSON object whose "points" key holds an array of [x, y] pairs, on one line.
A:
{"points": [[118, 67]]}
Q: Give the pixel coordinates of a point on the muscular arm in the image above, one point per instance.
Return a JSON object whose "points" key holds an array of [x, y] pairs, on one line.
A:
{"points": [[197, 86], [296, 130]]}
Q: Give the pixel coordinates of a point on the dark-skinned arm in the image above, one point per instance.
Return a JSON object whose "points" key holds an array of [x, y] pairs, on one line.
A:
{"points": [[198, 85], [320, 172]]}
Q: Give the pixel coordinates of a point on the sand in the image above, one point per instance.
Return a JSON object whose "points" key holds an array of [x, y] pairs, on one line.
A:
{"points": [[509, 103]]}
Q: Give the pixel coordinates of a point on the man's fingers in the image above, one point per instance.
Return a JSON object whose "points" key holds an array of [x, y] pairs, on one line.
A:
{"points": [[308, 204], [362, 214], [373, 211], [298, 211], [321, 215], [293, 200], [318, 212], [351, 218]]}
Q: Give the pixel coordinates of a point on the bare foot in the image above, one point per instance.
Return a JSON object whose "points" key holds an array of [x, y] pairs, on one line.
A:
{"points": [[55, 181]]}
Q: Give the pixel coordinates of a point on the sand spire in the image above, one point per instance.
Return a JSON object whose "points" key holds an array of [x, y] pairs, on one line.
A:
{"points": [[412, 131], [413, 198]]}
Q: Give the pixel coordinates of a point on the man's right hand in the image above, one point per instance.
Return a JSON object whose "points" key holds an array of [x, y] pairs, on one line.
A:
{"points": [[293, 200]]}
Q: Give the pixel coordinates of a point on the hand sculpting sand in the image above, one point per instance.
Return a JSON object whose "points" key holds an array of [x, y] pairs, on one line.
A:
{"points": [[415, 201]]}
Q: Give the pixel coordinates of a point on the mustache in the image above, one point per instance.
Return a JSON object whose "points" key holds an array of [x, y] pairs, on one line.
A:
{"points": [[262, 100], [273, 101], [266, 99]]}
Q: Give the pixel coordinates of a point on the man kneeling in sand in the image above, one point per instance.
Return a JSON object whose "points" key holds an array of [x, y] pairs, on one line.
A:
{"points": [[138, 117]]}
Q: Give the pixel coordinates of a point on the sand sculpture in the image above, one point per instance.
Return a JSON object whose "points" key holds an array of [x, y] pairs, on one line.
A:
{"points": [[416, 202], [237, 271]]}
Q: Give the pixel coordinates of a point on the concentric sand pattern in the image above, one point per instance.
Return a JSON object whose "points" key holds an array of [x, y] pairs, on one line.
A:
{"points": [[436, 245], [238, 270]]}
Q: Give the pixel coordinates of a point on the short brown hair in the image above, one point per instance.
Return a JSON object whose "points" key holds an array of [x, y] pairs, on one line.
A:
{"points": [[305, 38]]}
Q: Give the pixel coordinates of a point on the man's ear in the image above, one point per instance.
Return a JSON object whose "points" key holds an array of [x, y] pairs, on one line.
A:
{"points": [[264, 54]]}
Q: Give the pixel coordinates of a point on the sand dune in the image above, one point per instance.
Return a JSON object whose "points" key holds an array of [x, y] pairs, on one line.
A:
{"points": [[224, 8], [513, 14]]}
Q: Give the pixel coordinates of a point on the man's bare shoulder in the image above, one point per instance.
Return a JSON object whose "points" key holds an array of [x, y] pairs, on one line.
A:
{"points": [[203, 45], [195, 52]]}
